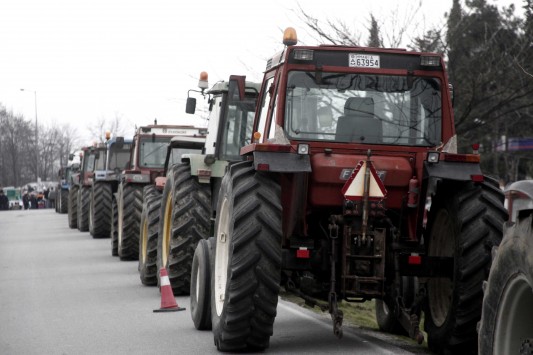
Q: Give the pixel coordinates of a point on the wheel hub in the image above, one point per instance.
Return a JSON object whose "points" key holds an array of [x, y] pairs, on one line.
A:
{"points": [[221, 257]]}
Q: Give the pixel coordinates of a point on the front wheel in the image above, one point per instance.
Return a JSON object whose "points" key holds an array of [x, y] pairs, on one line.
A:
{"points": [[247, 266], [73, 207], [184, 221], [507, 317], [149, 231], [100, 210], [130, 207], [463, 225], [386, 309], [201, 284], [62, 200], [84, 198]]}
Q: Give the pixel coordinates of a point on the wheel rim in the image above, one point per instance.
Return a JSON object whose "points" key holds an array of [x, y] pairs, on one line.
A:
{"points": [[144, 240], [167, 229], [222, 257], [197, 288], [514, 322], [384, 308], [440, 290]]}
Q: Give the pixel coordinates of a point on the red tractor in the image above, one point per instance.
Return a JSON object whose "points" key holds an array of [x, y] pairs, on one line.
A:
{"points": [[80, 189], [349, 143], [147, 162]]}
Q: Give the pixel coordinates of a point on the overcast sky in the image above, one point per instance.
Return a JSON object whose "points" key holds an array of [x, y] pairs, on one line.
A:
{"points": [[137, 59]]}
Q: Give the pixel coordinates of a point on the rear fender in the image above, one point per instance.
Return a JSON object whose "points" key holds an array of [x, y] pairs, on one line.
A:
{"points": [[282, 162], [205, 167], [519, 199], [449, 171]]}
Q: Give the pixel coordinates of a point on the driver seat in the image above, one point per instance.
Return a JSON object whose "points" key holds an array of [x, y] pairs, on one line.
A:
{"points": [[358, 124]]}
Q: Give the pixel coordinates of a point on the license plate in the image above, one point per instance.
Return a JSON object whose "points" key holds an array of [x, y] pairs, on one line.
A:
{"points": [[364, 60]]}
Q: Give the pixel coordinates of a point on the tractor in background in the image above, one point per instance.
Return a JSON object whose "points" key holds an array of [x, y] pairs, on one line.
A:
{"points": [[65, 180], [191, 189], [147, 159], [178, 150], [105, 183]]}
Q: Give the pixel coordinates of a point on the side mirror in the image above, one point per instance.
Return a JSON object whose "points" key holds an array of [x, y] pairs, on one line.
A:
{"points": [[190, 107], [71, 157]]}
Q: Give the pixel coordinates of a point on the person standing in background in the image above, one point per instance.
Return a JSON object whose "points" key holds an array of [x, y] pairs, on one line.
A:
{"points": [[51, 198], [4, 202], [26, 200]]}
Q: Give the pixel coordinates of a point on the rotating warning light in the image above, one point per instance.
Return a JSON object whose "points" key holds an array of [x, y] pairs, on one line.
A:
{"points": [[202, 83], [257, 136], [289, 37]]}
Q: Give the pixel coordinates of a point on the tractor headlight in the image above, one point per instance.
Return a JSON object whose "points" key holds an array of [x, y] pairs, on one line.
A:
{"points": [[303, 149], [433, 157]]}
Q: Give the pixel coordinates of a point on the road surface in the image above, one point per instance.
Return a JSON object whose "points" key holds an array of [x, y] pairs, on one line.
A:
{"points": [[61, 292]]}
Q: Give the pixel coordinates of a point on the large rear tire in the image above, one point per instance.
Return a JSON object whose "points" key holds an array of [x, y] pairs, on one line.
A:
{"points": [[84, 198], [58, 200], [201, 284], [100, 210], [464, 225], [130, 207], [62, 200], [149, 231], [73, 207], [114, 226], [184, 221], [507, 317], [247, 267]]}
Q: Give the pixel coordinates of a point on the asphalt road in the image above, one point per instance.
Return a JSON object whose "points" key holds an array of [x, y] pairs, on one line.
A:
{"points": [[61, 292]]}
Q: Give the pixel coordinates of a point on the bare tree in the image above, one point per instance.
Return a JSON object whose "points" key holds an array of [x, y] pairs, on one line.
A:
{"points": [[114, 125], [399, 22], [17, 158]]}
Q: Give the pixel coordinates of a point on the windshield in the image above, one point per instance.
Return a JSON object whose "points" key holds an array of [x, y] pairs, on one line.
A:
{"points": [[363, 108], [100, 161], [119, 158], [88, 162], [153, 152]]}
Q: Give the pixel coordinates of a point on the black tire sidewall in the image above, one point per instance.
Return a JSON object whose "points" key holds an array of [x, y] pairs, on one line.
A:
{"points": [[476, 215], [166, 191], [513, 258], [201, 281], [254, 215]]}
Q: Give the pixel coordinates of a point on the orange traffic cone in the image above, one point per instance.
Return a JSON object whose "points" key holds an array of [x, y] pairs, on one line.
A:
{"points": [[168, 302]]}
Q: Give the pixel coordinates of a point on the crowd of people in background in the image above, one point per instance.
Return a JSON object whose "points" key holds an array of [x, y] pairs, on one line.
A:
{"points": [[31, 199]]}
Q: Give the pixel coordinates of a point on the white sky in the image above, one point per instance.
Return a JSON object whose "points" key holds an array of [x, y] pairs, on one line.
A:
{"points": [[137, 59]]}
